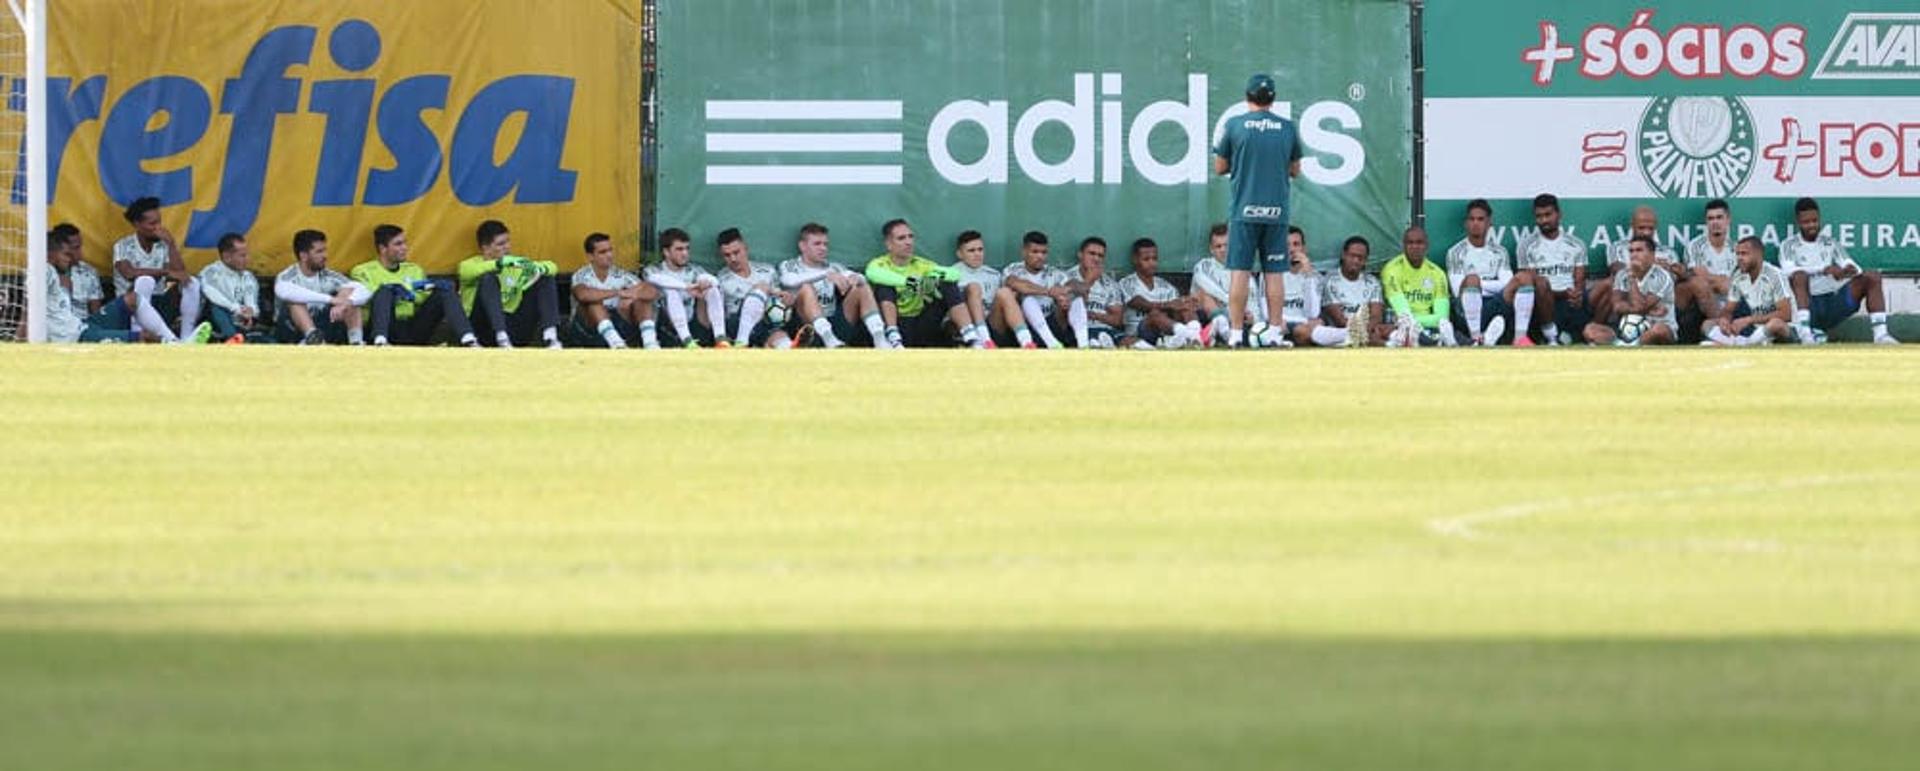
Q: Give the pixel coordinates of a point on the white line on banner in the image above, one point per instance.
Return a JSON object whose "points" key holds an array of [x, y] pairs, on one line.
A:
{"points": [[766, 110], [804, 175], [804, 143]]}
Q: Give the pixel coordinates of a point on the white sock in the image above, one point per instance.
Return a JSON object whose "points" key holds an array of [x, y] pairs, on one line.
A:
{"points": [[1879, 321], [1802, 317], [1025, 337], [1218, 327], [144, 313], [716, 311], [875, 326], [501, 339], [970, 335], [1723, 338], [189, 306], [1077, 318], [1193, 332], [1037, 321], [1470, 304], [1553, 333], [550, 335], [1329, 337], [1235, 337], [1522, 312], [610, 334], [823, 329], [985, 334], [677, 314], [892, 339], [1757, 336], [752, 310], [356, 336], [650, 334]]}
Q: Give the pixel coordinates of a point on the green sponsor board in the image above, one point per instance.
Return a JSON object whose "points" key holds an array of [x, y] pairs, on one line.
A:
{"points": [[1615, 104], [1072, 117]]}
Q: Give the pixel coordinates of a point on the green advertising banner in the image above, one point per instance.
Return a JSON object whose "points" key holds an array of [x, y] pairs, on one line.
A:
{"points": [[1073, 117], [1611, 104]]}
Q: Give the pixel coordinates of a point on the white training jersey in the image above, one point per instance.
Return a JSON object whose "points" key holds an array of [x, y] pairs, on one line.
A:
{"points": [[1047, 277], [87, 288], [1132, 285], [1619, 254], [230, 289], [1299, 287], [1554, 259], [1103, 292], [325, 282], [617, 280], [128, 250], [64, 321], [1701, 256], [1658, 283], [1798, 255], [1761, 293], [690, 274], [1489, 262], [794, 272], [1351, 294], [735, 288], [1212, 277], [986, 277]]}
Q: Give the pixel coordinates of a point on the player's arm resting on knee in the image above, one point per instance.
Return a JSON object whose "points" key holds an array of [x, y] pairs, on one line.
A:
{"points": [[1205, 282], [294, 294], [586, 295], [214, 293], [472, 268], [794, 279], [881, 273]]}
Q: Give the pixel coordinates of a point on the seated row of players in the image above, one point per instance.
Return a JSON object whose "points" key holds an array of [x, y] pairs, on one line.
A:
{"points": [[902, 299], [1721, 286]]}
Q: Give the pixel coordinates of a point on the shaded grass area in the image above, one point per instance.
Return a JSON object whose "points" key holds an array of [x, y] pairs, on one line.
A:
{"points": [[955, 701]]}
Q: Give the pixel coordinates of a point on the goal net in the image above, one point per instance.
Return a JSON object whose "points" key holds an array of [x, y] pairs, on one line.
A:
{"points": [[23, 210]]}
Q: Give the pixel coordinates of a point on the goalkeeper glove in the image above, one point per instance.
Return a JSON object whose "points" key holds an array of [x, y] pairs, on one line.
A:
{"points": [[421, 285], [511, 261]]}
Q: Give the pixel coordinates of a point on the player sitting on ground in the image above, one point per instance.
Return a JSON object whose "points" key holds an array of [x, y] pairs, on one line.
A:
{"points": [[751, 291], [1089, 285], [1481, 276], [1645, 222], [1759, 306], [81, 281], [1642, 306], [1710, 260], [1157, 314], [1036, 290], [919, 298], [979, 284], [687, 291], [1828, 286], [611, 301], [148, 265], [407, 306], [1211, 280], [828, 297], [232, 293], [497, 282], [1416, 291], [317, 305], [1351, 300], [1554, 262], [1305, 317], [66, 320]]}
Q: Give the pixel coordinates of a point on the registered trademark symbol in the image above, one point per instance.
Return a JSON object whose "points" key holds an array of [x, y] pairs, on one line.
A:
{"points": [[1356, 93]]}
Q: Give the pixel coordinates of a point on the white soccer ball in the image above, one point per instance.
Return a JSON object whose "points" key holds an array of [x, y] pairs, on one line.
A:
{"points": [[777, 314], [1257, 336], [1700, 125], [1632, 326]]}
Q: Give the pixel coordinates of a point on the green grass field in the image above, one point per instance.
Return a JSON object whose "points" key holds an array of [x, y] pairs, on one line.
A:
{"points": [[290, 559]]}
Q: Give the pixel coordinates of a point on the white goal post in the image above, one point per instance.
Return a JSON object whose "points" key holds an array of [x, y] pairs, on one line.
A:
{"points": [[25, 236]]}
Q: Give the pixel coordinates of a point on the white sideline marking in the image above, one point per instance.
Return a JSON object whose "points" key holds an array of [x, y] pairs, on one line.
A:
{"points": [[1467, 527]]}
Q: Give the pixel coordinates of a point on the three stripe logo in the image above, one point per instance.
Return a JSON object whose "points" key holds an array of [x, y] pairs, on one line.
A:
{"points": [[875, 155]]}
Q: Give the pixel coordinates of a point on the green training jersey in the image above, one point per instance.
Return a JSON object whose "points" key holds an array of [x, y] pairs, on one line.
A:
{"points": [[514, 280], [925, 276], [1260, 148], [373, 275], [1420, 292]]}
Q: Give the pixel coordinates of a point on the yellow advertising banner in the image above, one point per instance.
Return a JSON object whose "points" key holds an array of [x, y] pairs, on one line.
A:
{"points": [[264, 117]]}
